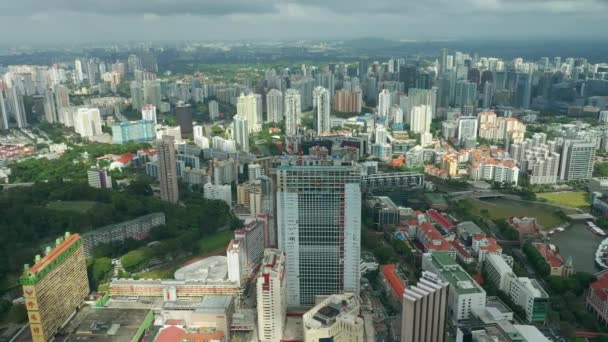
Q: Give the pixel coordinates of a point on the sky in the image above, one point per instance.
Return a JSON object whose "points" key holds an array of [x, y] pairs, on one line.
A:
{"points": [[89, 21]]}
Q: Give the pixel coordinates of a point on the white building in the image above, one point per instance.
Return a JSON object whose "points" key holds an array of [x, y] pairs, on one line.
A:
{"points": [[322, 108], [226, 145], [214, 110], [241, 132], [200, 139], [274, 106], [218, 192], [247, 107], [87, 122], [272, 296], [293, 111], [334, 319], [384, 102], [420, 119], [99, 179], [603, 116], [148, 112], [236, 261], [467, 128], [465, 293]]}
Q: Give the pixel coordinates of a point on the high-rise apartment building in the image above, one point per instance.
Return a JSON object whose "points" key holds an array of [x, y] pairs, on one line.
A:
{"points": [[321, 100], [3, 109], [78, 74], [384, 102], [241, 132], [274, 106], [467, 128], [348, 101], [247, 107], [148, 112], [87, 122], [99, 178], [167, 169], [55, 286], [466, 94], [420, 119], [319, 218], [425, 307], [272, 296], [214, 110], [293, 111], [152, 92]]}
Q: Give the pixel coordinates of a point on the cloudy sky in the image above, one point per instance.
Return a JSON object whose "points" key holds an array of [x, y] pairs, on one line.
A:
{"points": [[36, 21]]}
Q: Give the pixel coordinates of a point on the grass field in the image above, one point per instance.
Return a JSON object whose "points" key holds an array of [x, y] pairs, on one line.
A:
{"points": [[77, 206], [216, 241], [568, 199], [503, 209]]}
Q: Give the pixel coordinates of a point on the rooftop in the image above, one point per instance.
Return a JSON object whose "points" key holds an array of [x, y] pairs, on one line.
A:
{"points": [[454, 274], [103, 324], [550, 254], [211, 269]]}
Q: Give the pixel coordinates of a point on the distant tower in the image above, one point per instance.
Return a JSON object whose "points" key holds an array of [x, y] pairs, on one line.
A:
{"points": [[241, 132], [274, 106], [293, 111], [321, 98], [167, 169]]}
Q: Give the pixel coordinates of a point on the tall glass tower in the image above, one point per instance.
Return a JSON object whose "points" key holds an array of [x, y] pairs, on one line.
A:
{"points": [[319, 227]]}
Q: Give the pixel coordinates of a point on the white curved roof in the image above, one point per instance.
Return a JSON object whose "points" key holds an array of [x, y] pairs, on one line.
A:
{"points": [[211, 269]]}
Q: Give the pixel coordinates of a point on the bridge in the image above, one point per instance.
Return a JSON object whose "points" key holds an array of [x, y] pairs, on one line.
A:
{"points": [[478, 195], [581, 216]]}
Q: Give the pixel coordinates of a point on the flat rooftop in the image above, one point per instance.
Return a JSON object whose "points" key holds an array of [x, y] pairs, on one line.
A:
{"points": [[103, 324], [211, 269], [454, 274]]}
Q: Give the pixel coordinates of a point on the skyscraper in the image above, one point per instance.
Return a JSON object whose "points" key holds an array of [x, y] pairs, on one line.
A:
{"points": [[247, 108], [16, 106], [3, 109], [467, 128], [87, 122], [241, 132], [272, 296], [78, 74], [424, 311], [321, 110], [466, 94], [50, 110], [167, 169], [443, 61], [55, 286], [274, 106], [319, 222], [293, 111], [214, 111], [152, 92]]}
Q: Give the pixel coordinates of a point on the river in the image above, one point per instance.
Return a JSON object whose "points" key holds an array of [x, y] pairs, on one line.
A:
{"points": [[580, 243]]}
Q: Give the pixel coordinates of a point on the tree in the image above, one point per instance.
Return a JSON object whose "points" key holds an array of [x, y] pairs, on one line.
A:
{"points": [[135, 260]]}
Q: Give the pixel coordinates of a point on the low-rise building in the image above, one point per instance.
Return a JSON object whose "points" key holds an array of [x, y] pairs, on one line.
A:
{"points": [[559, 266], [596, 297]]}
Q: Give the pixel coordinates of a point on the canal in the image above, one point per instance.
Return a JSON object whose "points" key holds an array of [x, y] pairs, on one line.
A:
{"points": [[579, 243]]}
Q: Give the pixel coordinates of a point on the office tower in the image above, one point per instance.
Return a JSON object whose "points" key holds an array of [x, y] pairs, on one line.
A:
{"points": [[319, 222], [305, 86], [183, 113], [321, 103], [148, 113], [274, 106], [443, 61], [55, 287], [336, 318], [167, 169], [425, 307], [523, 90], [466, 94], [384, 102], [87, 122], [293, 111], [133, 63], [241, 133], [133, 131], [247, 108], [577, 160], [467, 128], [420, 119], [152, 92], [327, 80], [348, 101], [363, 67], [3, 109], [78, 74], [99, 178], [407, 75], [62, 96], [272, 296], [214, 110]]}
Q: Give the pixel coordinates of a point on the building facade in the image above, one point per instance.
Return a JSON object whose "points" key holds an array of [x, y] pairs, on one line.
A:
{"points": [[167, 169], [272, 296]]}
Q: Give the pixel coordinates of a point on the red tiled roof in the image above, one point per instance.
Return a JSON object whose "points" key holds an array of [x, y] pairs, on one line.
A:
{"points": [[551, 256], [170, 334], [125, 158], [460, 249], [600, 287], [396, 283]]}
